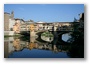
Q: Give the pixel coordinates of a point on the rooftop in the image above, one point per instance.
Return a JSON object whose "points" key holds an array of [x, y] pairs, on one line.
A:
{"points": [[6, 13]]}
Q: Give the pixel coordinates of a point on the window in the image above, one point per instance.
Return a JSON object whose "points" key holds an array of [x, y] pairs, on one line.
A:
{"points": [[11, 29]]}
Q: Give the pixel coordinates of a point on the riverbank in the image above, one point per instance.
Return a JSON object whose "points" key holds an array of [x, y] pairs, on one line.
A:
{"points": [[17, 35]]}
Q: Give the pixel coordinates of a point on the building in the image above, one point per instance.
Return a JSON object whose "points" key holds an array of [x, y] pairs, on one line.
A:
{"points": [[44, 26], [25, 25], [17, 25], [63, 26], [8, 23], [32, 27]]}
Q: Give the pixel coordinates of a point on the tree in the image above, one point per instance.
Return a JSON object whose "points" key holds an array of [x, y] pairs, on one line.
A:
{"points": [[77, 40]]}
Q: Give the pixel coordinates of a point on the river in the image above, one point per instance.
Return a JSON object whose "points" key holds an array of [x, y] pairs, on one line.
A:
{"points": [[17, 47]]}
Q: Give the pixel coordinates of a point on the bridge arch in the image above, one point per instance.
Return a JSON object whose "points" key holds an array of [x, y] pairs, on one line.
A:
{"points": [[60, 33]]}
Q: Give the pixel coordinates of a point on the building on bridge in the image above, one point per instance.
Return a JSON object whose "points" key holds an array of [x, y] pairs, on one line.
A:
{"points": [[25, 25], [64, 26], [44, 26], [58, 26]]}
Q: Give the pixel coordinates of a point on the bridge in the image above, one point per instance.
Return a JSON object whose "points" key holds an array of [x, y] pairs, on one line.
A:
{"points": [[57, 33]]}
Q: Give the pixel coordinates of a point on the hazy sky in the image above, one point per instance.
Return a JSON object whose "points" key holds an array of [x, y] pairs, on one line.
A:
{"points": [[45, 12]]}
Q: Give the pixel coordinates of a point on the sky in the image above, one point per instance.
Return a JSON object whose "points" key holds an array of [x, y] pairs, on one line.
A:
{"points": [[45, 12]]}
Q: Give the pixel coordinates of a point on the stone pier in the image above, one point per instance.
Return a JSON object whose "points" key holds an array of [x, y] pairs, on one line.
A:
{"points": [[32, 34], [55, 33], [32, 31]]}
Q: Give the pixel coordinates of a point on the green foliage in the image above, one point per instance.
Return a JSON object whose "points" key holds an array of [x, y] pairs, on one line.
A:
{"points": [[47, 34], [77, 40]]}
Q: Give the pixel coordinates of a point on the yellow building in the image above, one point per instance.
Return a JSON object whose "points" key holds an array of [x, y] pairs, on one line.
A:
{"points": [[16, 27], [32, 27]]}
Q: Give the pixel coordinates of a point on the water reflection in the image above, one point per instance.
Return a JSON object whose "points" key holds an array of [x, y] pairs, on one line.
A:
{"points": [[66, 37], [48, 39], [17, 48]]}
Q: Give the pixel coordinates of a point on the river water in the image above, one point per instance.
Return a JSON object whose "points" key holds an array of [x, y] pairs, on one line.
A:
{"points": [[17, 47]]}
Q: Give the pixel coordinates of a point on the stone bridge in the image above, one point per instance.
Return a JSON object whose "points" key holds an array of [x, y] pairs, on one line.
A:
{"points": [[54, 31], [37, 34]]}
